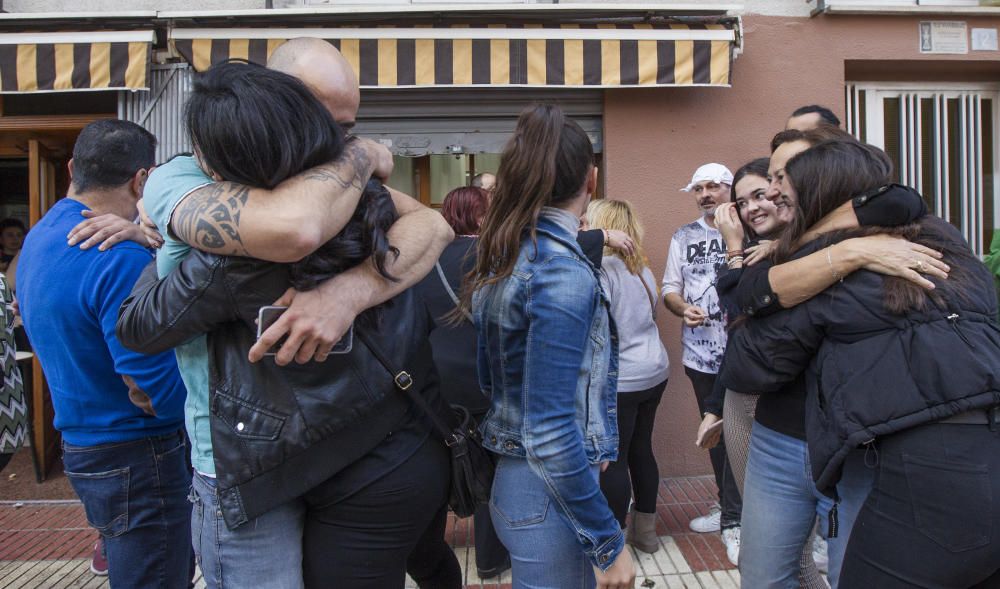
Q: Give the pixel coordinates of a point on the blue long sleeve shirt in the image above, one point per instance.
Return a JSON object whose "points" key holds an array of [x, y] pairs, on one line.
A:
{"points": [[69, 300]]}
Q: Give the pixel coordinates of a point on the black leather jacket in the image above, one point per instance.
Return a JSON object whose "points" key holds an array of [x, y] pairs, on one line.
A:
{"points": [[277, 431]]}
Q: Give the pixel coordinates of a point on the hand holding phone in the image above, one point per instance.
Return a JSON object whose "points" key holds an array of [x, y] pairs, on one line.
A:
{"points": [[269, 314]]}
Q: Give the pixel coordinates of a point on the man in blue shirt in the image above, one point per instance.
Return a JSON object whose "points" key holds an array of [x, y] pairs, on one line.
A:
{"points": [[126, 461]]}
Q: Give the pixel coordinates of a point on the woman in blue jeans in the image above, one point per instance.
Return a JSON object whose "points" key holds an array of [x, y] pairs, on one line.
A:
{"points": [[911, 374], [548, 358], [781, 503]]}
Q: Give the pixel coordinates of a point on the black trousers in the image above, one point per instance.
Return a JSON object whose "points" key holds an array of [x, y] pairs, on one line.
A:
{"points": [[933, 516], [729, 493], [635, 470], [362, 541], [491, 554]]}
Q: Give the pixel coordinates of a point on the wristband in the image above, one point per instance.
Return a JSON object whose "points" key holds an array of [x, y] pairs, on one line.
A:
{"points": [[734, 253]]}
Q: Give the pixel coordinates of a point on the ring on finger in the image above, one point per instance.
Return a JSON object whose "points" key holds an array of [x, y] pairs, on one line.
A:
{"points": [[920, 266]]}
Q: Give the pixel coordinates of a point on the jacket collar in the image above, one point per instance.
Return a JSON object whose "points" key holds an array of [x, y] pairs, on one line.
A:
{"points": [[555, 230]]}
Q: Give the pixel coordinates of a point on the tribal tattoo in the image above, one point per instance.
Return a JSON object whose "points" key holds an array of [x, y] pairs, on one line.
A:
{"points": [[209, 219]]}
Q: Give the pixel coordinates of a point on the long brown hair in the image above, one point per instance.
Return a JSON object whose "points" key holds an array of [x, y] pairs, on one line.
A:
{"points": [[545, 163], [833, 172], [825, 176]]}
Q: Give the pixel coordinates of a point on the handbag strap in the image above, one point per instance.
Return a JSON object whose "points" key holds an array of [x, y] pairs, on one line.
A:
{"points": [[649, 294], [451, 293], [404, 382]]}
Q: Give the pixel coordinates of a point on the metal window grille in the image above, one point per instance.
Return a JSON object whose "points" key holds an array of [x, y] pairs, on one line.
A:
{"points": [[161, 110], [942, 141]]}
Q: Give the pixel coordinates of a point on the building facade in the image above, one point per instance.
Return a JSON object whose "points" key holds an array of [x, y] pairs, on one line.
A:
{"points": [[660, 87]]}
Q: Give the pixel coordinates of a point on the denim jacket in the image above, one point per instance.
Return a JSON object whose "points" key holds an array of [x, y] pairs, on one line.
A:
{"points": [[548, 358]]}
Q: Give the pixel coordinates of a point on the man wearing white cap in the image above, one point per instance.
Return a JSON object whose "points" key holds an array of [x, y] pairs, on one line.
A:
{"points": [[697, 253]]}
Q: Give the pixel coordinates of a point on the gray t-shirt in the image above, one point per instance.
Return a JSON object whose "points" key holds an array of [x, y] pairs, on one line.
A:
{"points": [[642, 359]]}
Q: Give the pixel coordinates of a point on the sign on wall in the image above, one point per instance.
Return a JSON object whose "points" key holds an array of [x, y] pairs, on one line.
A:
{"points": [[941, 36]]}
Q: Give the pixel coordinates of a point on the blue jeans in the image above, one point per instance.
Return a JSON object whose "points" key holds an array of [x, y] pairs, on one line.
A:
{"points": [[266, 548], [853, 488], [134, 494], [544, 551], [780, 505]]}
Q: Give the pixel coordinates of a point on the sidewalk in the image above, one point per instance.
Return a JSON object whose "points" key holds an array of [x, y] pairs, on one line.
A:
{"points": [[48, 545]]}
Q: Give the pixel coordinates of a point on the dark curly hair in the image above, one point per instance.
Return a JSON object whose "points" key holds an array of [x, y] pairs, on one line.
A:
{"points": [[259, 127]]}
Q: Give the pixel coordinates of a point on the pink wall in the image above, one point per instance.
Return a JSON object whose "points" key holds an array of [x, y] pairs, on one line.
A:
{"points": [[654, 139]]}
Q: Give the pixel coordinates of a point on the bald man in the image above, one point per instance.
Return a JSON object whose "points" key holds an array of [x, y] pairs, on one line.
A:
{"points": [[281, 225]]}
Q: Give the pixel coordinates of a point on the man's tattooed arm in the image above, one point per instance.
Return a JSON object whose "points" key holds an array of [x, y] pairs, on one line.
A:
{"points": [[357, 160], [283, 224], [209, 219]]}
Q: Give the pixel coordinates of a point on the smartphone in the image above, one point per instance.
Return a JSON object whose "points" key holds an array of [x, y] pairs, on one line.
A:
{"points": [[266, 317]]}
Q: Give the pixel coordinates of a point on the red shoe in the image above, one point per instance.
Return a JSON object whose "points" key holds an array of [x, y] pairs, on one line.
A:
{"points": [[99, 561]]}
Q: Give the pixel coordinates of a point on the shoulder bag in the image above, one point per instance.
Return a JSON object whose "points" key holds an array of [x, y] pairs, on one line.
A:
{"points": [[471, 465]]}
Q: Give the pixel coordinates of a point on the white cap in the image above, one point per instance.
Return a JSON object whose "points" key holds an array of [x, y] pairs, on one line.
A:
{"points": [[711, 172]]}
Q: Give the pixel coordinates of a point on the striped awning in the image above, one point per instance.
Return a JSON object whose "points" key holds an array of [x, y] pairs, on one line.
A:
{"points": [[571, 56], [56, 62]]}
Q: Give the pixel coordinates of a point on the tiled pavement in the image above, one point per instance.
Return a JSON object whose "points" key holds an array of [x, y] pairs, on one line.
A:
{"points": [[47, 545]]}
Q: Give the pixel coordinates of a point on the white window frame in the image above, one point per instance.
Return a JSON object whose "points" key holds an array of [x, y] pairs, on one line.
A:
{"points": [[910, 168]]}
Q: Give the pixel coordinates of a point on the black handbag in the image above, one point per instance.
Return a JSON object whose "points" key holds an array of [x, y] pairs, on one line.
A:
{"points": [[472, 465]]}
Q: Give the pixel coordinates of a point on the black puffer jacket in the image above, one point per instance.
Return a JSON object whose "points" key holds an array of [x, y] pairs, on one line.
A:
{"points": [[277, 431], [870, 372]]}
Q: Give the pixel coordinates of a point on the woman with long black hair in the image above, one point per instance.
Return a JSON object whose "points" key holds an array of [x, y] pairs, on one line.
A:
{"points": [[333, 443]]}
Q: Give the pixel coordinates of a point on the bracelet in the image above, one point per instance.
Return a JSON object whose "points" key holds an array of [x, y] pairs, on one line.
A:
{"points": [[829, 260], [605, 233], [734, 253], [735, 260]]}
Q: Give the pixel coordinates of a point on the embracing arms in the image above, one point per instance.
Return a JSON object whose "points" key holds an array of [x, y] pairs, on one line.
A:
{"points": [[768, 288], [283, 224]]}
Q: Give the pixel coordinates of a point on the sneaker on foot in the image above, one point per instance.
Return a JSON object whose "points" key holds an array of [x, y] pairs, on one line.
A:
{"points": [[707, 523], [820, 554], [731, 538], [99, 562]]}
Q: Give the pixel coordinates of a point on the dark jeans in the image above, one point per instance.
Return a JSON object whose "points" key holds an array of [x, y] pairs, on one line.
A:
{"points": [[491, 555], [729, 493], [363, 540], [135, 495], [635, 470], [933, 517]]}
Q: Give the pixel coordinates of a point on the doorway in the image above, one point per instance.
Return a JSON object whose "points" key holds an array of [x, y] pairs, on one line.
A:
{"points": [[34, 152]]}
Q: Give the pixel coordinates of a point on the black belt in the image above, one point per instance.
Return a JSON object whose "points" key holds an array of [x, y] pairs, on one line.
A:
{"points": [[988, 416]]}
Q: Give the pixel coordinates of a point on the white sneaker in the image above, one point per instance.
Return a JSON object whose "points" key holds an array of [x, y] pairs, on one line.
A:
{"points": [[707, 523], [820, 554], [731, 538]]}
